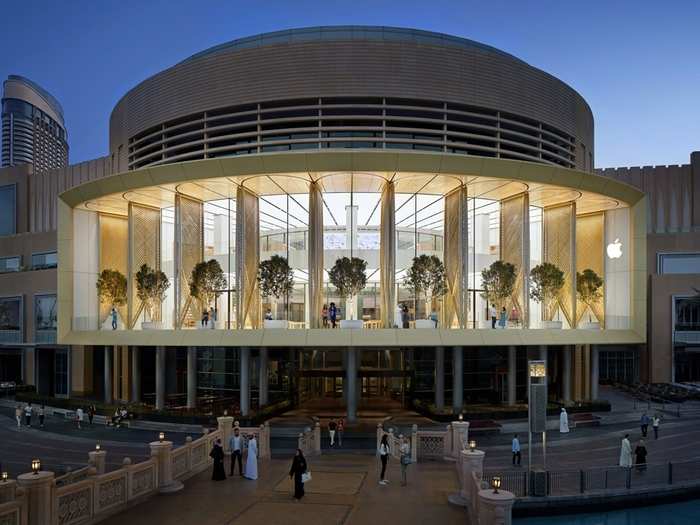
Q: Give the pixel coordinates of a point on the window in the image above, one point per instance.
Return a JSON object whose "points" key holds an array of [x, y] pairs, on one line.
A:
{"points": [[8, 213], [11, 319], [41, 261], [678, 263], [10, 264], [45, 312]]}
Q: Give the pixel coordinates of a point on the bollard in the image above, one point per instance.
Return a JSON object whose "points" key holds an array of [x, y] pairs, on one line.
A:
{"points": [[38, 489], [162, 452], [496, 508], [226, 425], [98, 459], [414, 444]]}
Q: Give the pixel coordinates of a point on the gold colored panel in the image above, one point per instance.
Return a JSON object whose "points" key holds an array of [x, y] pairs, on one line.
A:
{"points": [[590, 253], [559, 249], [456, 258], [514, 242], [144, 248], [189, 242], [114, 234], [248, 257]]}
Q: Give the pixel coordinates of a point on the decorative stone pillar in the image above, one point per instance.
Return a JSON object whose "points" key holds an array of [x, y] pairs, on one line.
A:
{"points": [[162, 451], [595, 372], [160, 377], [245, 381], [8, 491], [566, 374], [315, 250], [468, 462], [191, 377], [351, 384], [512, 374], [226, 428], [38, 490], [98, 458], [387, 255], [135, 374], [457, 379], [439, 377], [496, 509], [109, 393], [263, 381], [460, 437]]}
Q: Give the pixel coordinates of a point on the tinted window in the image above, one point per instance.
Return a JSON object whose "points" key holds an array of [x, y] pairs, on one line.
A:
{"points": [[8, 215]]}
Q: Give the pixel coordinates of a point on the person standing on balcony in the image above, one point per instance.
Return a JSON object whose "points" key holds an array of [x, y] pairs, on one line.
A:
{"points": [[515, 448], [114, 318], [212, 317], [404, 317], [502, 318], [333, 314], [398, 316], [492, 314], [626, 452], [324, 316]]}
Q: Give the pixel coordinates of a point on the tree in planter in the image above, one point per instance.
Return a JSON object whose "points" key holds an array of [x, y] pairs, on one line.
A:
{"points": [[275, 278], [151, 285], [427, 276], [111, 288], [206, 282], [547, 280], [498, 281], [349, 278], [588, 285]]}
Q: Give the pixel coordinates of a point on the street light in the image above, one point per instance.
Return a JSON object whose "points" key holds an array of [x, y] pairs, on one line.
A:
{"points": [[5, 475], [461, 417], [36, 466], [496, 484], [161, 436], [97, 447], [472, 445]]}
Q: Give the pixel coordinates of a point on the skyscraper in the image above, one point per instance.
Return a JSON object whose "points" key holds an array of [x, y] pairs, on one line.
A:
{"points": [[33, 129]]}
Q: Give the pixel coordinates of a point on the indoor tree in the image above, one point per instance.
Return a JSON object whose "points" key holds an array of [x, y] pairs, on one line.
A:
{"points": [[498, 281], [206, 283], [151, 285], [349, 278], [588, 288], [546, 282], [427, 276], [111, 288], [276, 278]]}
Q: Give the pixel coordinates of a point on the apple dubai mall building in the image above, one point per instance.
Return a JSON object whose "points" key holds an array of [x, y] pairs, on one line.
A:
{"points": [[447, 185]]}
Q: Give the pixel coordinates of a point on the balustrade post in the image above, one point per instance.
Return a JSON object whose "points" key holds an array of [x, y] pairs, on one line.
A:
{"points": [[162, 452], [496, 508], [414, 444], [460, 437], [447, 443], [226, 429], [470, 465], [188, 453], [39, 493], [317, 438], [8, 491], [98, 458]]}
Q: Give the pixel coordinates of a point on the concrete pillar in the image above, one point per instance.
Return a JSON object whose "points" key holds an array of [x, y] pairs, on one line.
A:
{"points": [[595, 372], [439, 377], [38, 489], [351, 384], [457, 379], [162, 451], [108, 375], [496, 509], [226, 427], [263, 382], [98, 458], [135, 374], [543, 354], [578, 370], [8, 491], [512, 374], [160, 377], [245, 381], [566, 374], [191, 377]]}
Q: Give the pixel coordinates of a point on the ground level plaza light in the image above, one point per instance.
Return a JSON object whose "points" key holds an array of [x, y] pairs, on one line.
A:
{"points": [[97, 447], [472, 445], [496, 484], [5, 475], [537, 407], [161, 436], [36, 466]]}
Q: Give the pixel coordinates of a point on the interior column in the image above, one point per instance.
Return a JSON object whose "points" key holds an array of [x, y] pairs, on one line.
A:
{"points": [[135, 374], [351, 384], [457, 379], [387, 256], [263, 382], [512, 360], [191, 377], [160, 377], [245, 381], [108, 374], [439, 378], [566, 374], [595, 372]]}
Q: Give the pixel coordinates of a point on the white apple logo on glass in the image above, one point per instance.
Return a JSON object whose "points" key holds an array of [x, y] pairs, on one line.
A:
{"points": [[614, 249]]}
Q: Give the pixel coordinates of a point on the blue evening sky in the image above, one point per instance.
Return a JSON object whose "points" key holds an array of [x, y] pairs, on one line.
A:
{"points": [[635, 62]]}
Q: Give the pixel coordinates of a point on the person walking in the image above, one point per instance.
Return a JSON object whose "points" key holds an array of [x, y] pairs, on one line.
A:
{"points": [[515, 448], [331, 431], [384, 458], [91, 413], [492, 314], [626, 452], [655, 422], [397, 315], [644, 424], [405, 450], [333, 314], [251, 463], [114, 318], [339, 431], [42, 413], [212, 318], [404, 316], [18, 416], [563, 421], [28, 414], [236, 445], [299, 468], [79, 416], [640, 456], [217, 454], [324, 315]]}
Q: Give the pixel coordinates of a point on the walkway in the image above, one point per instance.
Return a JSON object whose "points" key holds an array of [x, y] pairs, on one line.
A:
{"points": [[344, 490]]}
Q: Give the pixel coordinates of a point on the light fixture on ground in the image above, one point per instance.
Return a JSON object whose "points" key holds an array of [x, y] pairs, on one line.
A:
{"points": [[472, 445], [496, 484], [461, 417], [36, 466], [161, 437], [5, 475], [97, 447]]}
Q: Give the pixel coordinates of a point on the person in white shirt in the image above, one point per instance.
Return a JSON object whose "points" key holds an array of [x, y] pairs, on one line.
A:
{"points": [[236, 445], [563, 422], [493, 314], [515, 448], [28, 415], [384, 457], [655, 422], [79, 415], [251, 464], [42, 413], [626, 452]]}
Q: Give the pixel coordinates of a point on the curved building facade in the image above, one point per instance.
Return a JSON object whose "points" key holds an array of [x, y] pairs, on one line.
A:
{"points": [[377, 143], [33, 129]]}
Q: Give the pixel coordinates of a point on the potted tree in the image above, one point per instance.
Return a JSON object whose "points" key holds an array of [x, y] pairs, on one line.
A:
{"points": [[547, 280], [151, 285], [276, 279], [588, 289], [348, 277], [498, 282], [427, 276], [111, 289], [206, 283]]}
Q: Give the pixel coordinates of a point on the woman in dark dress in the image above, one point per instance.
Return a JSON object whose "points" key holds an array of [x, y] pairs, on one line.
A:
{"points": [[298, 468], [404, 317], [640, 453], [217, 454]]}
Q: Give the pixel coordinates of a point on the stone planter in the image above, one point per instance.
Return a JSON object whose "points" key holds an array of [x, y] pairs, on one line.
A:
{"points": [[552, 325], [425, 323], [275, 324], [590, 326], [352, 324], [152, 325]]}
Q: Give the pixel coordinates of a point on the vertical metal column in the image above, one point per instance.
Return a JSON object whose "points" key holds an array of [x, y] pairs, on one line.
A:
{"points": [[135, 374], [595, 372], [566, 373], [107, 374], [457, 379], [512, 374], [160, 377], [191, 377], [351, 384], [245, 381], [387, 255], [263, 382], [439, 377], [315, 250]]}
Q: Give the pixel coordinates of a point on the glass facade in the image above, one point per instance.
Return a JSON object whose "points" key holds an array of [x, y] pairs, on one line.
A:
{"points": [[8, 209], [42, 261], [45, 319], [10, 264], [11, 319]]}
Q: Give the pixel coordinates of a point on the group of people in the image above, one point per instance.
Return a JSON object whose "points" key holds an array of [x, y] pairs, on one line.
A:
{"points": [[501, 319], [120, 416], [209, 317], [384, 452], [238, 445], [329, 314], [28, 412], [640, 451], [336, 429]]}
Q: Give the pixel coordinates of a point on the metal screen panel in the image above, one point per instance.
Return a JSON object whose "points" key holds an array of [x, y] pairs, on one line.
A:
{"points": [[248, 244], [387, 255], [590, 253], [189, 250], [114, 242], [560, 250], [144, 248], [456, 257], [538, 407], [514, 245]]}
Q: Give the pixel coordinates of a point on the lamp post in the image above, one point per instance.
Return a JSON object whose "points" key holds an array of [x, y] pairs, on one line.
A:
{"points": [[36, 466], [496, 483], [5, 475], [472, 445], [161, 437]]}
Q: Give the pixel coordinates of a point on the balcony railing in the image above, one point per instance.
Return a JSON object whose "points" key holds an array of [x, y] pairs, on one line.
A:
{"points": [[45, 337], [10, 336]]}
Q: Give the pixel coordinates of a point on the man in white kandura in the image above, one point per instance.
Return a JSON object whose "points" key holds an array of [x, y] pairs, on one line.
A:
{"points": [[626, 452], [563, 422], [251, 463]]}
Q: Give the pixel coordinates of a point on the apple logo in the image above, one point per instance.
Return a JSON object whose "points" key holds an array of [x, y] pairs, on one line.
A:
{"points": [[614, 249]]}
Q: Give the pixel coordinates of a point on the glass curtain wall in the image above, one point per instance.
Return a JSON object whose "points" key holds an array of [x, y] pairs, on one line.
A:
{"points": [[536, 232], [484, 249], [167, 263], [219, 241]]}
